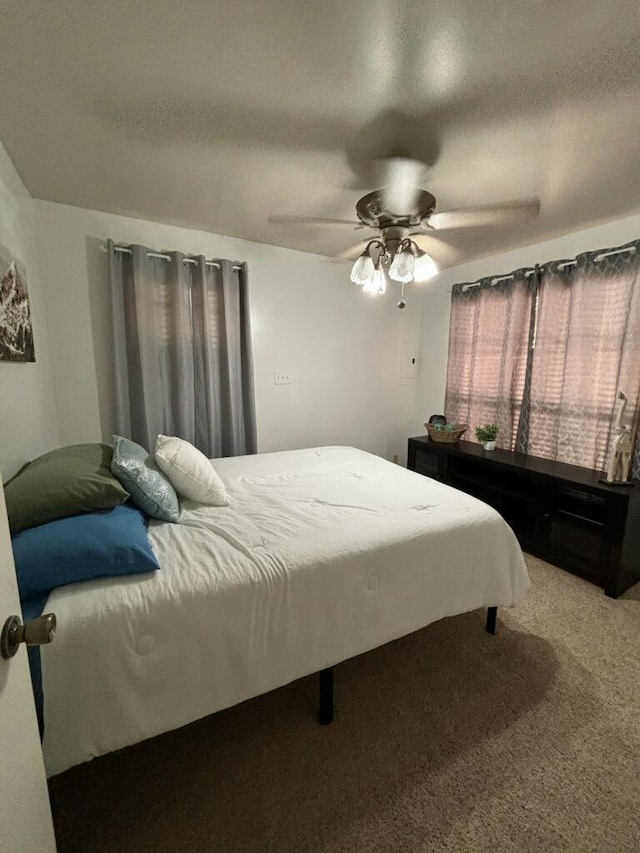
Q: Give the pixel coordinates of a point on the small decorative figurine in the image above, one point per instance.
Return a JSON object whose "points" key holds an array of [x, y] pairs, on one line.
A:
{"points": [[620, 463]]}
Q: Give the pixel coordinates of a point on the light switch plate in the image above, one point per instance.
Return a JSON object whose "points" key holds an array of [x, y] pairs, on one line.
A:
{"points": [[408, 366], [280, 378]]}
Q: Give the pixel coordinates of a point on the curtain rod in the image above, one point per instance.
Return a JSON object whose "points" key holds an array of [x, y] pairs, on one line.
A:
{"points": [[466, 287], [127, 251], [597, 259]]}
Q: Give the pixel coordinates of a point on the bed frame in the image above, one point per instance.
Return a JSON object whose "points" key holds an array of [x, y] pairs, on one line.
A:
{"points": [[325, 678]]}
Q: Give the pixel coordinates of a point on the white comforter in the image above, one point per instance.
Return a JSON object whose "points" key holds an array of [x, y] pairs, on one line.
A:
{"points": [[322, 554]]}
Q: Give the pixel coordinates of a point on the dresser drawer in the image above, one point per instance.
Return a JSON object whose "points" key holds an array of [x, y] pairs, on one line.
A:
{"points": [[428, 464]]}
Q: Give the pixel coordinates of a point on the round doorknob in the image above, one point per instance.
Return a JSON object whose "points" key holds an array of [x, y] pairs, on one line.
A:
{"points": [[37, 632]]}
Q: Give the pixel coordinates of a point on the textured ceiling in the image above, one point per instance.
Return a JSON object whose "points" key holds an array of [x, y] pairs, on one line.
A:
{"points": [[213, 115]]}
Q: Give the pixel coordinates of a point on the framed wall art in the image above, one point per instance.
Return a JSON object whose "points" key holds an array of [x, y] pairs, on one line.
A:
{"points": [[16, 331]]}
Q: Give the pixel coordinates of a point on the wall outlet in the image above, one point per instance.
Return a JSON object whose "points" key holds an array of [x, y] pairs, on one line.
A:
{"points": [[280, 378]]}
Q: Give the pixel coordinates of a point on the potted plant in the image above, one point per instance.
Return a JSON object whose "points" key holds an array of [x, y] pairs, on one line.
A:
{"points": [[487, 434]]}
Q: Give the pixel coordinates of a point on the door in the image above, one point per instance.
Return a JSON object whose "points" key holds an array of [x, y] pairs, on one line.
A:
{"points": [[25, 814]]}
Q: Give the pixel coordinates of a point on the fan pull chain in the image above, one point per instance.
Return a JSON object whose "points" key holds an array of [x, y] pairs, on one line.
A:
{"points": [[401, 301]]}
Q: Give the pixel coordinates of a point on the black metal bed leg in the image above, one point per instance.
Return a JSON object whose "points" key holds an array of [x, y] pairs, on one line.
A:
{"points": [[325, 715], [492, 615]]}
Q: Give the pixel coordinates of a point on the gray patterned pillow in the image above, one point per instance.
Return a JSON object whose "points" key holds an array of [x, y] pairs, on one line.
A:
{"points": [[148, 487]]}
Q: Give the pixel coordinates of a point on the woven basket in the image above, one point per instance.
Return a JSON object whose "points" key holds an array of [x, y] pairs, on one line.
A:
{"points": [[447, 436]]}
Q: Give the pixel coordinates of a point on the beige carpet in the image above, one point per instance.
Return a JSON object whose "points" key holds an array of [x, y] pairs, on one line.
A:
{"points": [[446, 740]]}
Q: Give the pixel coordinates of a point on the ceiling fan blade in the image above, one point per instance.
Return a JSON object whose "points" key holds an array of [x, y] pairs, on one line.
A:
{"points": [[492, 214], [442, 253], [313, 220], [400, 179]]}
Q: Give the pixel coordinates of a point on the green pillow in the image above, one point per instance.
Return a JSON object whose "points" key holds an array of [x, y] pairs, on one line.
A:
{"points": [[61, 483]]}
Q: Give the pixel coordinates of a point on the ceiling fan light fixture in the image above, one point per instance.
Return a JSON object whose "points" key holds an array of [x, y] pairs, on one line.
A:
{"points": [[425, 267], [378, 283], [363, 269], [403, 264]]}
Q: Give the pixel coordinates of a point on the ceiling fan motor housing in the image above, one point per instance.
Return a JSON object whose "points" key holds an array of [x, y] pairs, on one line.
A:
{"points": [[372, 212], [392, 236]]}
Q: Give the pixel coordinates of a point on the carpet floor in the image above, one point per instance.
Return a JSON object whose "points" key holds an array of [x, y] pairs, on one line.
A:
{"points": [[446, 740]]}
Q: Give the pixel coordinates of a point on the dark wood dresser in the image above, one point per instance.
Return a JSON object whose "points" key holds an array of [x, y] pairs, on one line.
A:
{"points": [[560, 513]]}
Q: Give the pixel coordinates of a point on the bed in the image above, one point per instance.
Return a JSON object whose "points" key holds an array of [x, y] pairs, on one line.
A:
{"points": [[322, 554]]}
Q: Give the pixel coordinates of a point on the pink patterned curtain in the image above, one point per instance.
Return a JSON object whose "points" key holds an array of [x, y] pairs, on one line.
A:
{"points": [[545, 355], [587, 348], [488, 345]]}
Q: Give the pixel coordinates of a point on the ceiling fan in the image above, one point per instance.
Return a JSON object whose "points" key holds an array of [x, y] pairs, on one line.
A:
{"points": [[405, 217]]}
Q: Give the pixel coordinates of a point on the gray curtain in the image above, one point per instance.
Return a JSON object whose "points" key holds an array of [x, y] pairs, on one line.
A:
{"points": [[182, 351]]}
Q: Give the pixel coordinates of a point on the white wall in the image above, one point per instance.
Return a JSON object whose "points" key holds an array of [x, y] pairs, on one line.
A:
{"points": [[340, 347], [27, 417], [436, 301]]}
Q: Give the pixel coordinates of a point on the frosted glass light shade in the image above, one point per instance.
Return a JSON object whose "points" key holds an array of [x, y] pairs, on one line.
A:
{"points": [[378, 283], [363, 269], [425, 267], [402, 266]]}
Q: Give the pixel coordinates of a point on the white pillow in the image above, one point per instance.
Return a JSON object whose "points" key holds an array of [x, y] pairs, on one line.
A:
{"points": [[191, 474]]}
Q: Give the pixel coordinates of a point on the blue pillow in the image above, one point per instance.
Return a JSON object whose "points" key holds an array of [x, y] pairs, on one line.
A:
{"points": [[148, 487], [92, 545]]}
